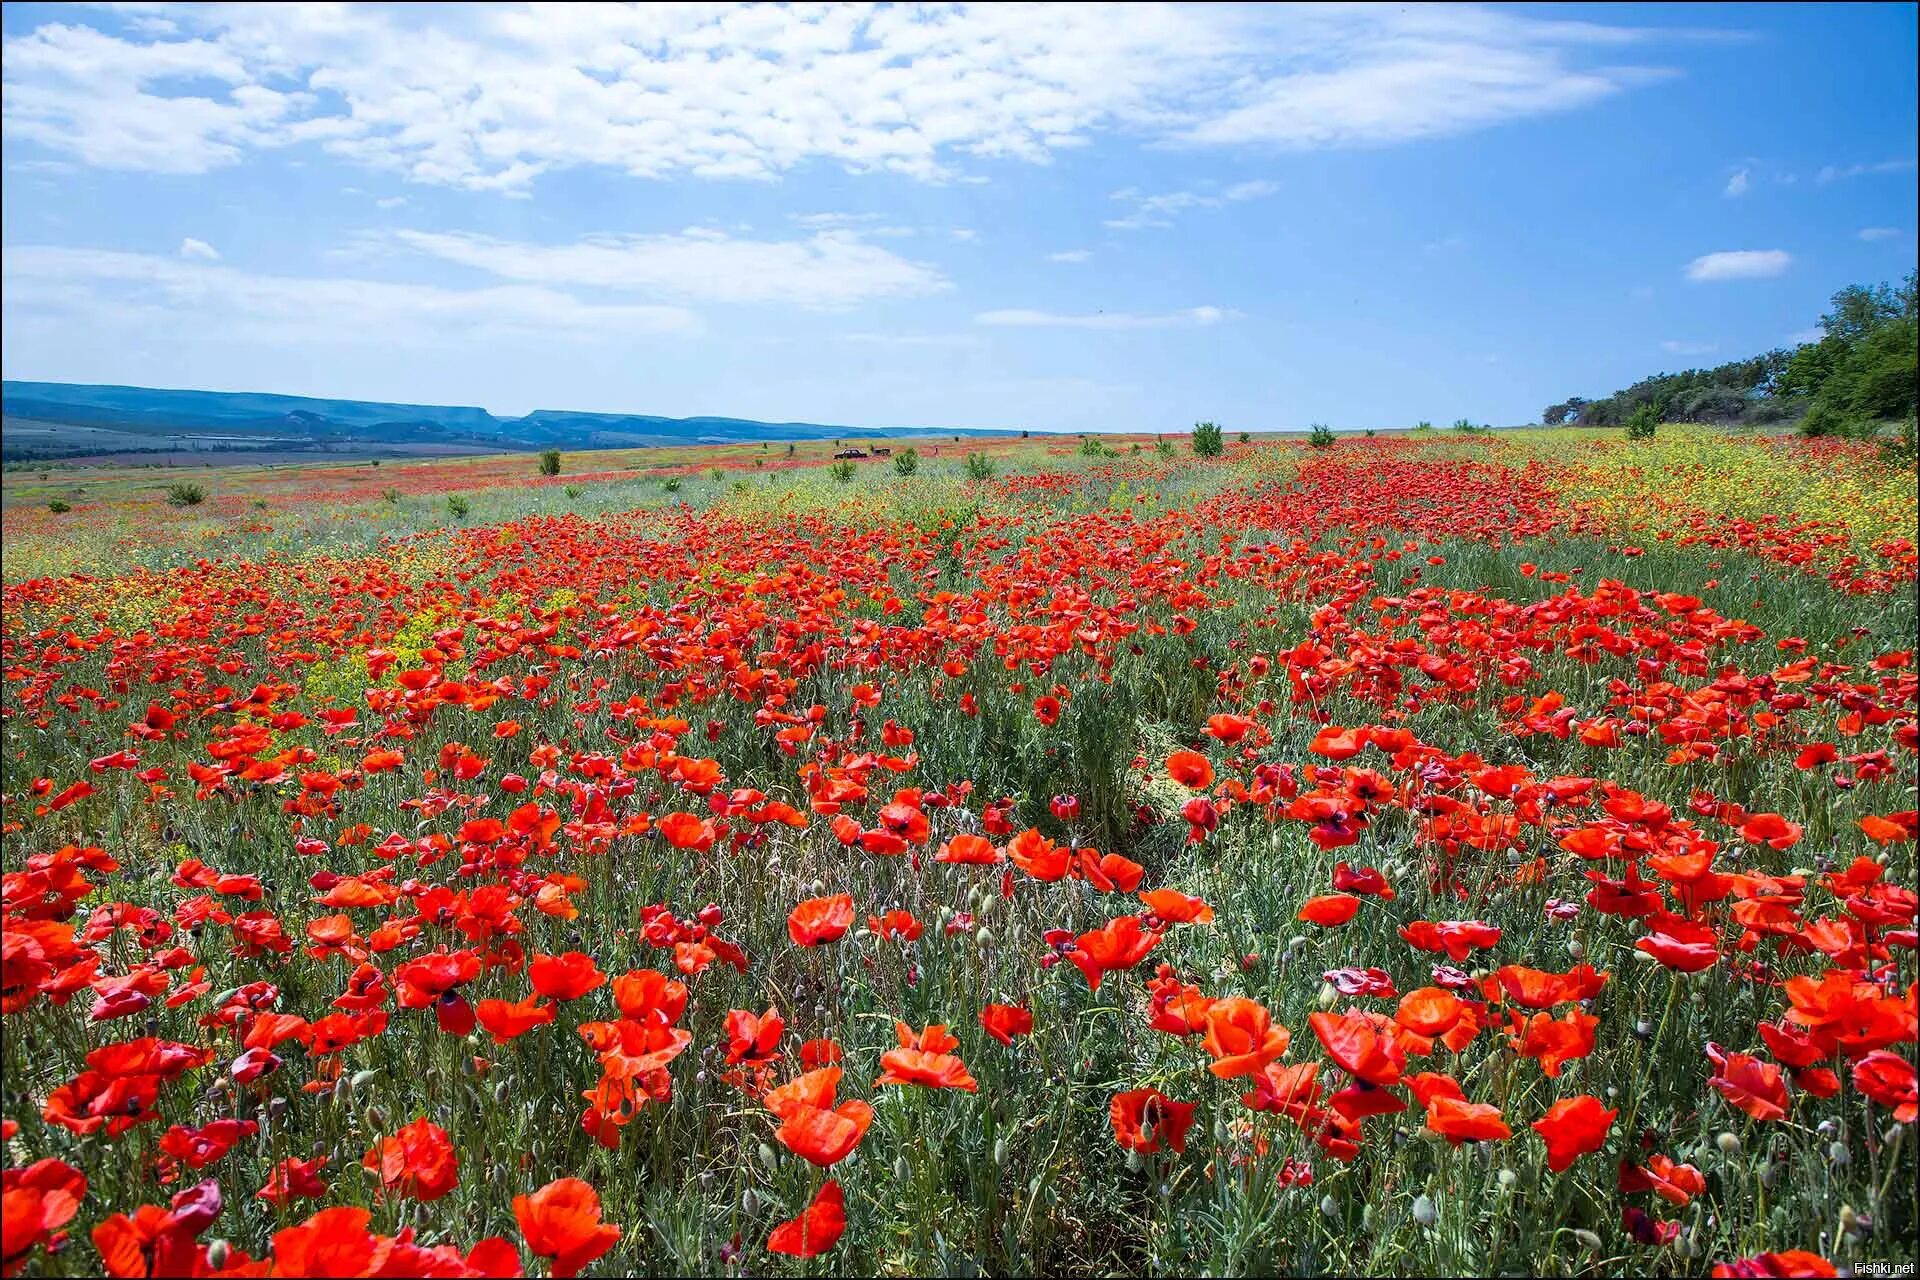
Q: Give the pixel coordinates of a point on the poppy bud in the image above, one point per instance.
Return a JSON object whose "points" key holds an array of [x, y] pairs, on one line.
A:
{"points": [[1576, 948], [217, 1254], [1423, 1211], [1587, 1238], [901, 1169], [749, 1202], [1838, 1155], [361, 1079], [1729, 1143], [767, 1157], [1329, 1207], [1507, 1178], [1000, 1151], [1327, 995]]}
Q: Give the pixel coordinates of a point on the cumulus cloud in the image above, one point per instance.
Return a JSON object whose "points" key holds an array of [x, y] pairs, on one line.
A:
{"points": [[191, 248], [108, 290], [830, 269], [1739, 264], [1023, 319], [490, 97]]}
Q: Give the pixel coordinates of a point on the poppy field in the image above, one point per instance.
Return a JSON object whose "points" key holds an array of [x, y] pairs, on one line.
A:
{"points": [[1443, 853]]}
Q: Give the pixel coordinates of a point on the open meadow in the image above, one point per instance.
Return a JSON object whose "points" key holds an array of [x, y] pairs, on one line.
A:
{"points": [[1457, 853]]}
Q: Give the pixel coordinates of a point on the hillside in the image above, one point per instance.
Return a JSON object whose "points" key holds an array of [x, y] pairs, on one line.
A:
{"points": [[47, 420]]}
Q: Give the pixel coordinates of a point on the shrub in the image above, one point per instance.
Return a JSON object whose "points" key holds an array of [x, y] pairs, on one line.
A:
{"points": [[390, 494], [1163, 447], [1423, 425], [574, 491], [1900, 448], [841, 471], [458, 506], [907, 461], [1643, 422], [1208, 442], [671, 484], [58, 507], [1321, 436], [1246, 437], [549, 462], [979, 467], [1091, 447], [716, 474], [185, 494], [1370, 433]]}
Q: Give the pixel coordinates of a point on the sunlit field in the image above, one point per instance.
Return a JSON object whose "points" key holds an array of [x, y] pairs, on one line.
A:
{"points": [[1438, 853]]}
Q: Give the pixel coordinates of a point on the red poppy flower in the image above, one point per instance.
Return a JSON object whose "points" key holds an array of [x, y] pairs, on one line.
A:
{"points": [[817, 1229], [565, 977], [1572, 1127], [820, 920], [418, 1161], [1190, 769], [925, 1060], [1005, 1021], [1146, 1120], [561, 1221]]}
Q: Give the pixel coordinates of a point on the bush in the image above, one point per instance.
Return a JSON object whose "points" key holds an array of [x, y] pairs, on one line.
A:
{"points": [[390, 494], [1246, 437], [58, 507], [1207, 440], [1090, 447], [1643, 422], [1423, 425], [1321, 436], [458, 506], [1822, 420], [671, 484], [549, 462], [1900, 448], [185, 494], [574, 491], [716, 474], [907, 461], [979, 467], [1163, 447], [841, 471]]}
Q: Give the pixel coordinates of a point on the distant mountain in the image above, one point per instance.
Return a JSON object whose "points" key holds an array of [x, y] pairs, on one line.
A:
{"points": [[247, 418]]}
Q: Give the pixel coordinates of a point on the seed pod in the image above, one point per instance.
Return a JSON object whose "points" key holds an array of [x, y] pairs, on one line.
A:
{"points": [[1423, 1211], [1329, 1207], [217, 1254]]}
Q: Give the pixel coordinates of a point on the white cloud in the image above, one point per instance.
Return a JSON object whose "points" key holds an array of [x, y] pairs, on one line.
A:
{"points": [[1737, 185], [1686, 348], [1070, 255], [1871, 234], [1023, 319], [191, 248], [1739, 264], [490, 97], [831, 268], [1158, 210], [966, 235], [124, 291], [1836, 172], [390, 202]]}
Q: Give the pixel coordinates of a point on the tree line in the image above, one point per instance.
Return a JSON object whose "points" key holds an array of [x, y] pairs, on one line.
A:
{"points": [[1861, 369]]}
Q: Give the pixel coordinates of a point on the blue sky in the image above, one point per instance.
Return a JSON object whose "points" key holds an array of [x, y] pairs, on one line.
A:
{"points": [[1064, 219]]}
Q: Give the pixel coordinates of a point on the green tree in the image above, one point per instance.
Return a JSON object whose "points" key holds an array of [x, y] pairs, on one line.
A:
{"points": [[907, 461], [1321, 436], [979, 467], [1208, 441], [549, 462], [841, 471], [1643, 423]]}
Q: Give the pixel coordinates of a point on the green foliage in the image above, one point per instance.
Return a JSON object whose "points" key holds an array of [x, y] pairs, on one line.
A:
{"points": [[671, 484], [907, 461], [1208, 441], [1163, 447], [1900, 449], [716, 474], [1246, 437], [574, 490], [549, 462], [58, 507], [1321, 436], [1091, 447], [1643, 423], [458, 507], [391, 494], [1423, 425], [979, 467], [841, 471], [185, 494]]}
